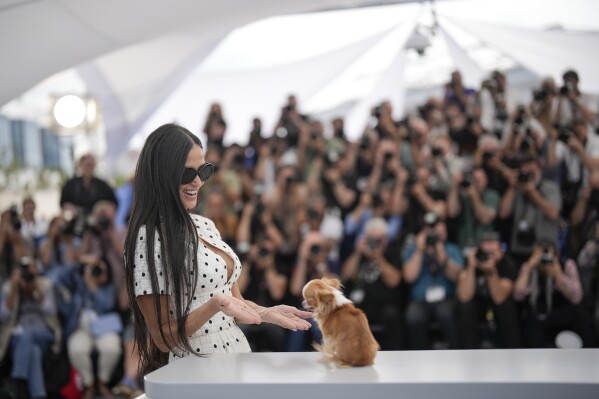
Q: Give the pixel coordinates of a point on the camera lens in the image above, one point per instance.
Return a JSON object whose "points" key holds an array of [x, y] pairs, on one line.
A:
{"points": [[263, 252], [315, 249], [97, 271]]}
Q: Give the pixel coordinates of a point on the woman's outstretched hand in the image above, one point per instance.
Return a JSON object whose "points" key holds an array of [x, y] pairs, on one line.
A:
{"points": [[286, 317], [236, 308]]}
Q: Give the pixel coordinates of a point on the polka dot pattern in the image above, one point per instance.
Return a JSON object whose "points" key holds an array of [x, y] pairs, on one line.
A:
{"points": [[219, 334]]}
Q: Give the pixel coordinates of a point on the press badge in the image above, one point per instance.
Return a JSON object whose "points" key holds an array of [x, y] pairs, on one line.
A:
{"points": [[434, 293]]}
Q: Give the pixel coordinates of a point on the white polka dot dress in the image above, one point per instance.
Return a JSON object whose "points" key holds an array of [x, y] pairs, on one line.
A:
{"points": [[220, 334]]}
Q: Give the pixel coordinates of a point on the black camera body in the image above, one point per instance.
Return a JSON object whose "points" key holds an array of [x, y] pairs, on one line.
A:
{"points": [[482, 256], [487, 156], [26, 273], [315, 249], [97, 271], [467, 180], [432, 238], [524, 177], [373, 243], [377, 111], [15, 222], [313, 214], [436, 152], [263, 252]]}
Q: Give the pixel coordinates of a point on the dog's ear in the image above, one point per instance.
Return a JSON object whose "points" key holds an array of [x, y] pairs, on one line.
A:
{"points": [[325, 300], [332, 282]]}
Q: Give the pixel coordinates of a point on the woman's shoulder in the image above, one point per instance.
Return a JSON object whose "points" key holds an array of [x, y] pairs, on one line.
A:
{"points": [[201, 221]]}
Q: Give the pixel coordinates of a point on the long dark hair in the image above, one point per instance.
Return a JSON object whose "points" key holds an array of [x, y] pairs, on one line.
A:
{"points": [[158, 207]]}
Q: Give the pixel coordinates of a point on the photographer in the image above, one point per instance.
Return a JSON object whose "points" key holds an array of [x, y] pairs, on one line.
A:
{"points": [[586, 212], [58, 250], [580, 157], [333, 175], [473, 204], [29, 327], [573, 104], [553, 294], [534, 205], [264, 281], [431, 265], [103, 240], [484, 292], [85, 190], [12, 246], [290, 197], [215, 126], [290, 123], [588, 261], [372, 273], [32, 229], [456, 93], [91, 321], [496, 104]]}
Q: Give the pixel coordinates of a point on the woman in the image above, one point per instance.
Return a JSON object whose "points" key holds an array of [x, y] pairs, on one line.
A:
{"points": [[181, 276]]}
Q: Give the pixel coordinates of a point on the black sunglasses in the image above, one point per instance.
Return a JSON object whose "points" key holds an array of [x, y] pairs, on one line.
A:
{"points": [[204, 172]]}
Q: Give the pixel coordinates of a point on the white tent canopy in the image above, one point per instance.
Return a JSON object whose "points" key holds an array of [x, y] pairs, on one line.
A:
{"points": [[151, 64]]}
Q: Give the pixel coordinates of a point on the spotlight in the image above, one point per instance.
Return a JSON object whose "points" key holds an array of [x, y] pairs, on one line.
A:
{"points": [[69, 111]]}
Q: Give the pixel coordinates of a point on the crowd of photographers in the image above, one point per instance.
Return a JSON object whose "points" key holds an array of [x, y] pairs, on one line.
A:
{"points": [[473, 222]]}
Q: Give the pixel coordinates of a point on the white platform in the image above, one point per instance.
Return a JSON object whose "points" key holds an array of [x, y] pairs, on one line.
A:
{"points": [[522, 373]]}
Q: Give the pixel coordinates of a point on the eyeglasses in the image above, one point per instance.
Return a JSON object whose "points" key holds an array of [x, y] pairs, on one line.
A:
{"points": [[204, 172]]}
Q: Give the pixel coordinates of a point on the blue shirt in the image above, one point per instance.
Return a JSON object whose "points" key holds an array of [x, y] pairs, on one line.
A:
{"points": [[427, 278]]}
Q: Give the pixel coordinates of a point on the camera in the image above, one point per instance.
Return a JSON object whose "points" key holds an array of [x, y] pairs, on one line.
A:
{"points": [[467, 180], [565, 89], [524, 177], [103, 223], [373, 243], [377, 201], [436, 152], [364, 145], [263, 252], [546, 259], [313, 214], [487, 156], [289, 180], [412, 179], [481, 256], [76, 225], [315, 249], [432, 238], [519, 119], [238, 159], [388, 156], [564, 133], [15, 222], [377, 111], [97, 271], [26, 273]]}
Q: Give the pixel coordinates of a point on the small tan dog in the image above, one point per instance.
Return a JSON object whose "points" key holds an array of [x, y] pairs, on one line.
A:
{"points": [[346, 336]]}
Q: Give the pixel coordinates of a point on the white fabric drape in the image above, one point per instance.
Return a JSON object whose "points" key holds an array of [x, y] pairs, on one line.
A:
{"points": [[547, 53], [247, 94], [472, 74]]}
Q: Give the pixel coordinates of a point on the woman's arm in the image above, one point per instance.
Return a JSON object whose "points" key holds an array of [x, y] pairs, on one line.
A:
{"points": [[230, 306], [281, 315]]}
